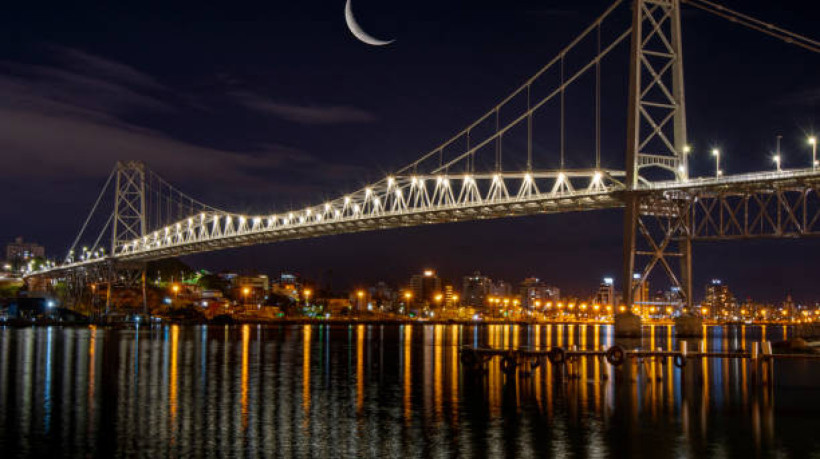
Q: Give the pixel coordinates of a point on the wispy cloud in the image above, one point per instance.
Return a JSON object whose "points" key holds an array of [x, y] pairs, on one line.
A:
{"points": [[304, 114], [60, 123]]}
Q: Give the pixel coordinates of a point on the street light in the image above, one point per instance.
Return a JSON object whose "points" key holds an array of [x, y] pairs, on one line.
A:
{"points": [[813, 143], [716, 154], [360, 294], [175, 289], [307, 293], [245, 292], [776, 160]]}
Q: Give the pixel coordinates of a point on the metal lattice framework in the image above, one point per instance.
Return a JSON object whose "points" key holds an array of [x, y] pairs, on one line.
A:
{"points": [[466, 177]]}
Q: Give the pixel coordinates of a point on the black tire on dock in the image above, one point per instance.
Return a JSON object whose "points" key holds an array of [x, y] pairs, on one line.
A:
{"points": [[615, 355]]}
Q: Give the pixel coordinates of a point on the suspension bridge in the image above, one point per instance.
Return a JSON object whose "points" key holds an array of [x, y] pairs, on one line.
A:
{"points": [[465, 178]]}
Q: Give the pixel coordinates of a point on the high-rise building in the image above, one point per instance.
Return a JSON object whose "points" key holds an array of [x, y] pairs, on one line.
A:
{"points": [[606, 293], [642, 293], [475, 290], [425, 287], [501, 289], [534, 293], [719, 300], [20, 250]]}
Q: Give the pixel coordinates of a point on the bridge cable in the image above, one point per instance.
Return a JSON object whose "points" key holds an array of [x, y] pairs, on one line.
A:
{"points": [[598, 103], [414, 165], [562, 111], [756, 24], [93, 209]]}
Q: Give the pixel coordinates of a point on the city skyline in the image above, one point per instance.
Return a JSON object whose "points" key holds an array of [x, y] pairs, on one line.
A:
{"points": [[285, 150]]}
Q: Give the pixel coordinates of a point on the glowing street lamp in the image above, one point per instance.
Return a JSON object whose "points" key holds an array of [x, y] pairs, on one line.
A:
{"points": [[716, 154], [776, 160], [360, 295], [307, 292], [813, 143], [175, 289], [245, 292]]}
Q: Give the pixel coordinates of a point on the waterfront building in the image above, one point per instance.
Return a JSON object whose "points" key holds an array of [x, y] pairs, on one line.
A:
{"points": [[20, 251], [606, 292], [475, 290], [425, 287], [719, 301], [535, 292]]}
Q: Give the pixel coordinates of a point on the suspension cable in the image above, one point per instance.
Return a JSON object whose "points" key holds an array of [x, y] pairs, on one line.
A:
{"points": [[93, 209], [756, 24]]}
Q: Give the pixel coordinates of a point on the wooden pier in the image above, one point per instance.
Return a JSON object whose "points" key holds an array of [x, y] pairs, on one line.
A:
{"points": [[526, 359]]}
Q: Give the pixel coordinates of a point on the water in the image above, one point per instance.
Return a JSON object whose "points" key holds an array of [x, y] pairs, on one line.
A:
{"points": [[385, 391]]}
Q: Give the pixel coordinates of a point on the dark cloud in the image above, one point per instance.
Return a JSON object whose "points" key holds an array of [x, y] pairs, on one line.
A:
{"points": [[304, 114]]}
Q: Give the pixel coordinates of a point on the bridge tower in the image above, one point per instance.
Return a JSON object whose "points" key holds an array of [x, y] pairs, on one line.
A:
{"points": [[128, 223], [656, 229], [129, 204]]}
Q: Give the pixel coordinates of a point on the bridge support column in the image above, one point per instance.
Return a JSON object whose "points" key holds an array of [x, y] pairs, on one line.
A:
{"points": [[628, 324]]}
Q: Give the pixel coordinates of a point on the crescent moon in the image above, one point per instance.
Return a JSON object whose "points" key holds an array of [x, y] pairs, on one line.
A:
{"points": [[357, 31]]}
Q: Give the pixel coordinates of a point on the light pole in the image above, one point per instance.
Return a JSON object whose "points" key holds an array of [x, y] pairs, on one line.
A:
{"points": [[813, 143], [716, 154], [245, 292], [360, 294], [777, 154], [307, 293]]}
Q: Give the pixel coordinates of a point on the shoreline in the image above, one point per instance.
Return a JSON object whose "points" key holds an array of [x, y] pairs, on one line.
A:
{"points": [[21, 323]]}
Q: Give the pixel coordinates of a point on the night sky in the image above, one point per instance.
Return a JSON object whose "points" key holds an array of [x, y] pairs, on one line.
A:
{"points": [[268, 106]]}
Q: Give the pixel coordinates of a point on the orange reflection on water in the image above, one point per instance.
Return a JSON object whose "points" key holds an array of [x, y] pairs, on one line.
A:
{"points": [[408, 354], [92, 344], [456, 329], [359, 368], [438, 377], [246, 339], [306, 332]]}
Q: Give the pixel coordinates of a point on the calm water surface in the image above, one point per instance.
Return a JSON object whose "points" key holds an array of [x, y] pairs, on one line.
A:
{"points": [[386, 391]]}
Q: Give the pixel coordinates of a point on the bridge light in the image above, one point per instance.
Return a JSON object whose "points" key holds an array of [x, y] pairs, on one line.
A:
{"points": [[307, 212], [290, 216], [256, 220], [190, 221], [390, 181], [446, 182], [376, 201], [367, 191], [398, 193], [414, 180], [347, 199], [356, 208], [776, 159], [327, 206], [687, 149], [438, 180], [528, 177], [598, 175], [496, 177], [467, 179]]}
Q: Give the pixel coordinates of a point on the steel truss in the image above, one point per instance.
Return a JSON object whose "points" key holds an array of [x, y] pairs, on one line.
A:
{"points": [[129, 204], [776, 211], [656, 139]]}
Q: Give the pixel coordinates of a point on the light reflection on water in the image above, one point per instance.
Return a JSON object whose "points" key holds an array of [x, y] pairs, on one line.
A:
{"points": [[373, 390]]}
